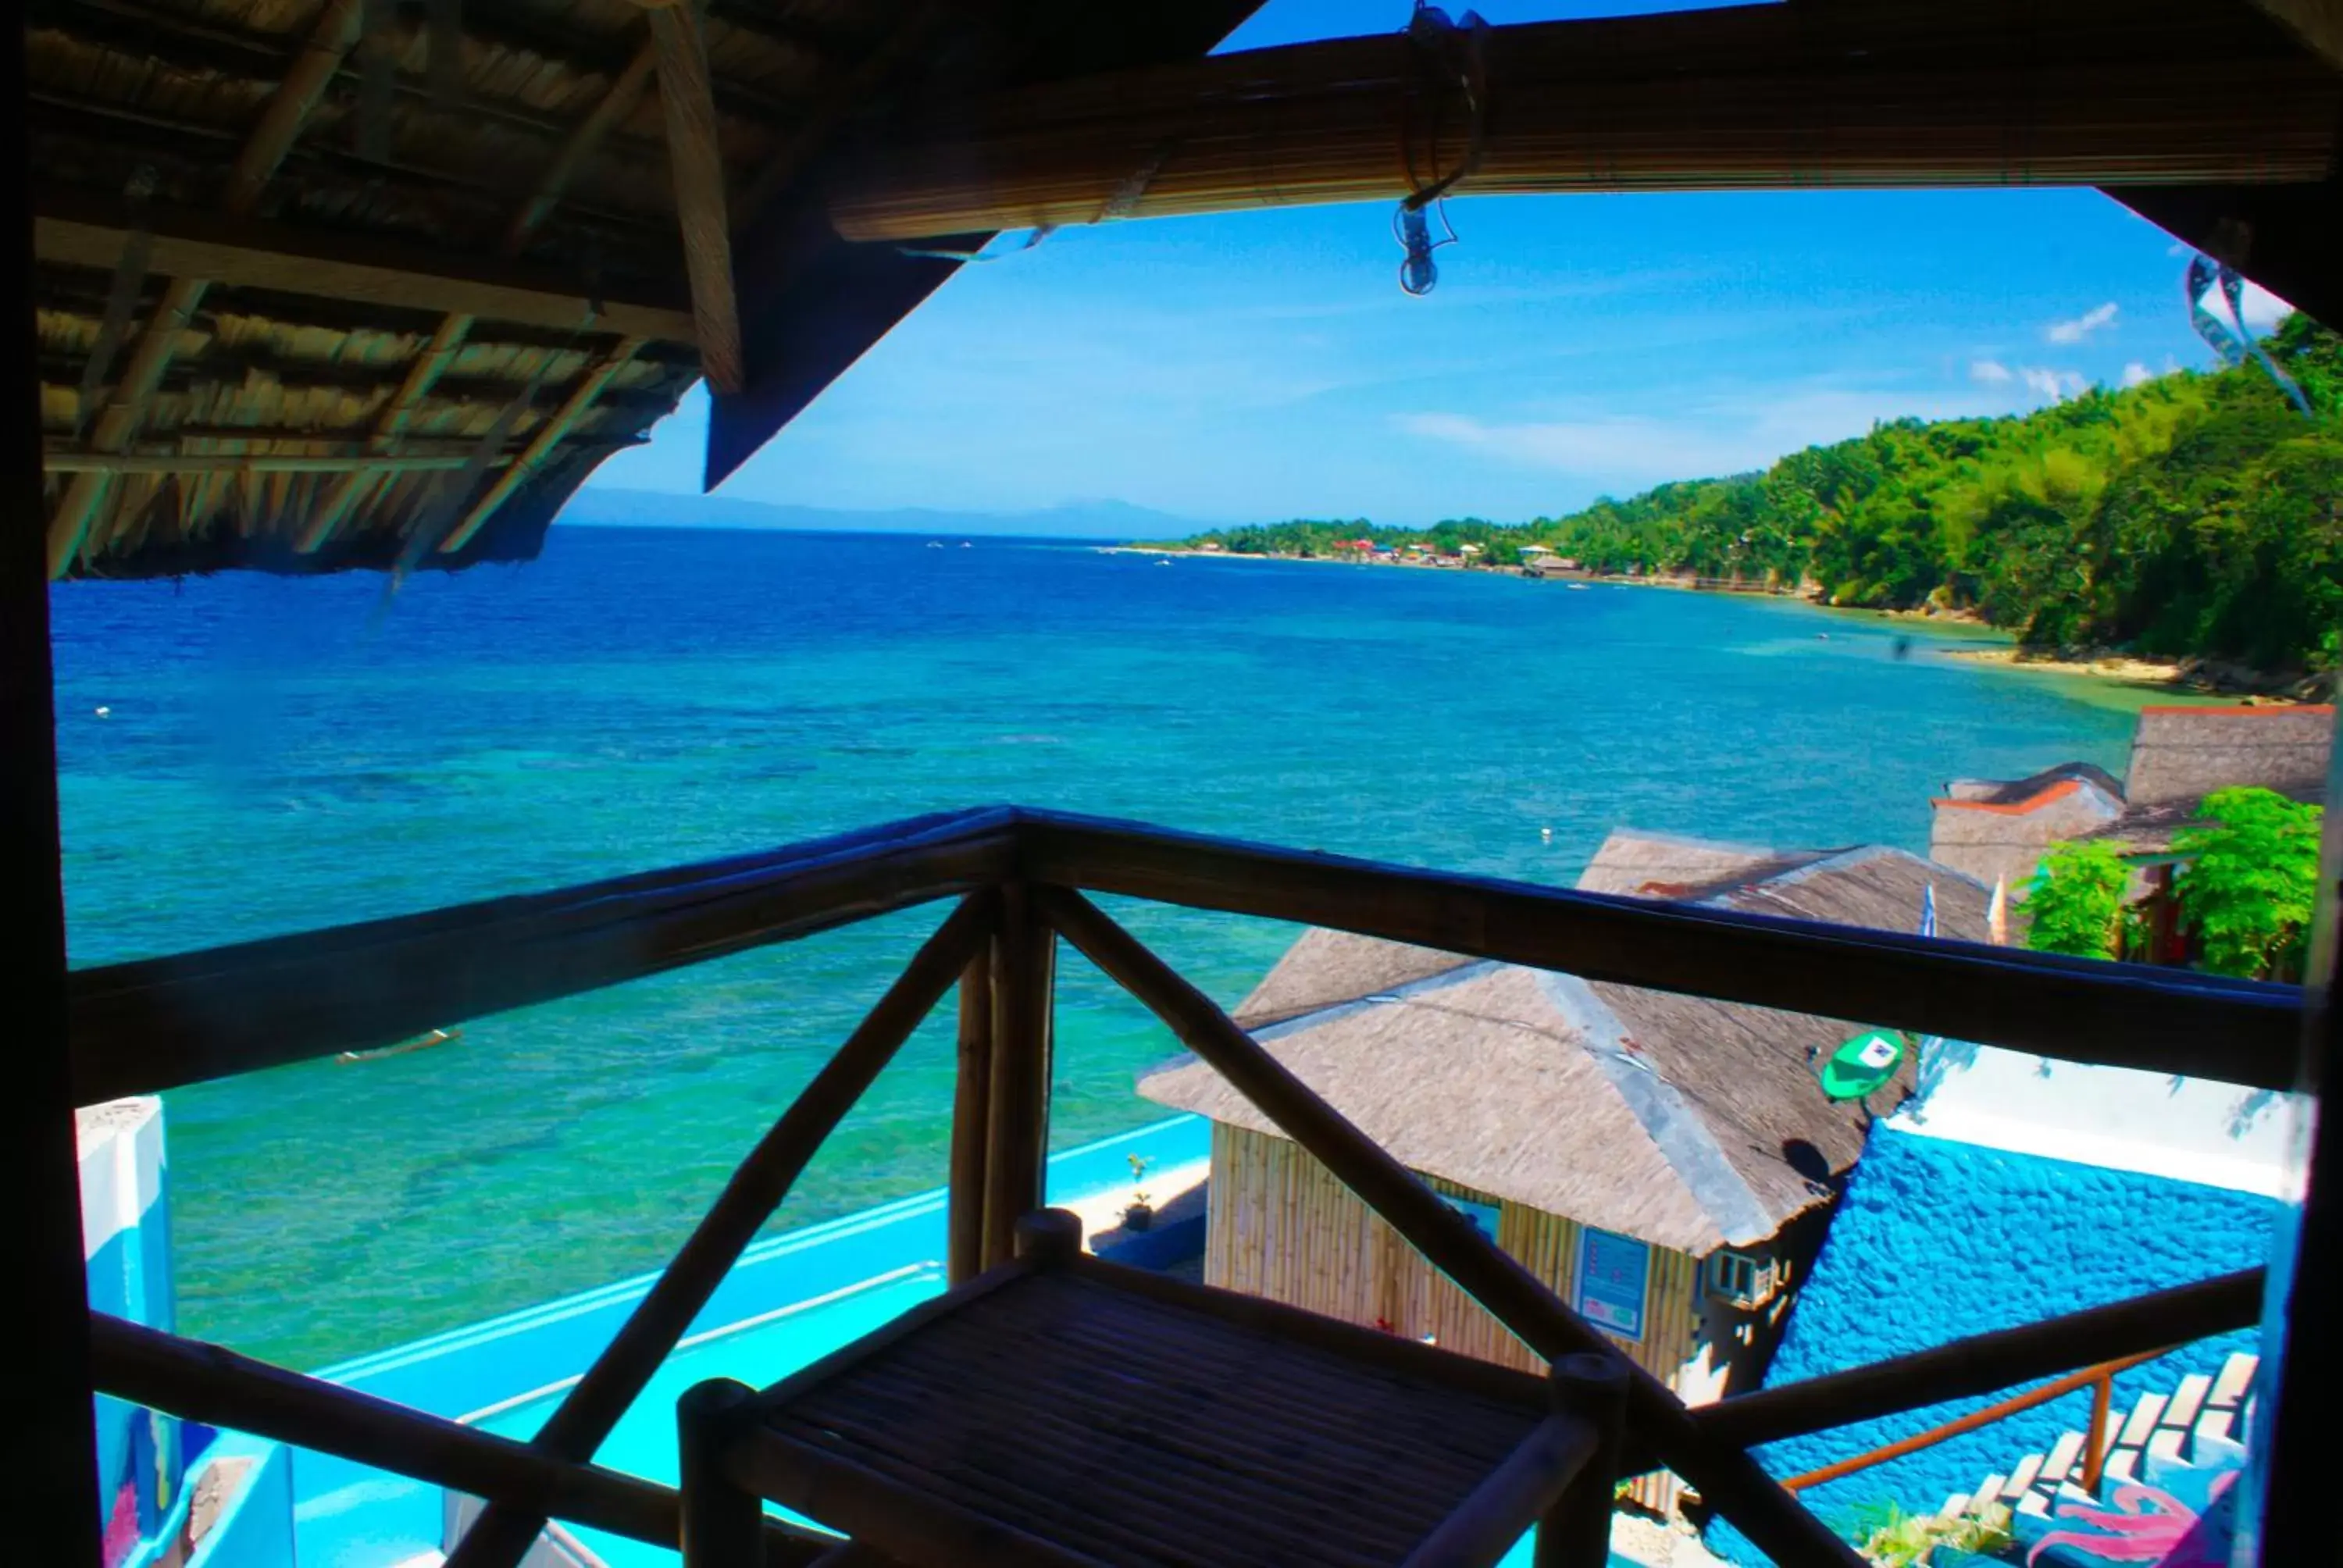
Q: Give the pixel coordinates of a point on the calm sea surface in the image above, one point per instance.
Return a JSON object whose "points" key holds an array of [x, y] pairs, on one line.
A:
{"points": [[276, 756]]}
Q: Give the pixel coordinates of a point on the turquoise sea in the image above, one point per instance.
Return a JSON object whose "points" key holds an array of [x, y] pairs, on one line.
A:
{"points": [[244, 756]]}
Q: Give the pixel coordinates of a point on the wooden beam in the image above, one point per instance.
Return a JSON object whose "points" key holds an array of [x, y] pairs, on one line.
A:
{"points": [[1017, 1100], [50, 1449], [280, 125], [841, 98], [1984, 1363], [696, 167], [359, 461], [619, 1374], [971, 1124], [161, 1023], [612, 107], [608, 114], [549, 437], [426, 369], [214, 1386], [1901, 94], [1727, 1477], [2076, 1009], [366, 270], [2317, 23]]}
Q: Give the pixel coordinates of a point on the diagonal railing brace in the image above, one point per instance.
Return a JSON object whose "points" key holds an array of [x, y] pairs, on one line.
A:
{"points": [[502, 1534]]}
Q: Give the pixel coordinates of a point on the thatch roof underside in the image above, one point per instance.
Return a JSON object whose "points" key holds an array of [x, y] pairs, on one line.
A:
{"points": [[364, 290], [339, 282], [1688, 1122]]}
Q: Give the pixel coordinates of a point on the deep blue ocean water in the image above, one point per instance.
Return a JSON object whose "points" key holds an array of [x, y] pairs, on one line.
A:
{"points": [[279, 755]]}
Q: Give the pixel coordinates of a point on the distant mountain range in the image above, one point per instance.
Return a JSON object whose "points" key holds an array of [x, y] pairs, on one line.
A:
{"points": [[594, 507]]}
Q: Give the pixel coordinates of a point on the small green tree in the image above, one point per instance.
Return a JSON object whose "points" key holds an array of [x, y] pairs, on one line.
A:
{"points": [[2251, 879], [2078, 903]]}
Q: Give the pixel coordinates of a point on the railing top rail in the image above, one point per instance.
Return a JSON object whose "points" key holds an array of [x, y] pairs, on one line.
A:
{"points": [[160, 1023], [2082, 1010]]}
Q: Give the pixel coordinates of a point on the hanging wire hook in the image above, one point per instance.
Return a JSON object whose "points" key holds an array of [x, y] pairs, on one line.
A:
{"points": [[1449, 51]]}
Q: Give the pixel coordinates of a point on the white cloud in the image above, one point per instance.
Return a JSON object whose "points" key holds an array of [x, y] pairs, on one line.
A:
{"points": [[2137, 374], [1721, 435], [2055, 385], [2262, 310], [1992, 372], [2083, 326]]}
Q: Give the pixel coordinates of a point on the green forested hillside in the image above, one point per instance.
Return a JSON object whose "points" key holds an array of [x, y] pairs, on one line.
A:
{"points": [[2193, 515]]}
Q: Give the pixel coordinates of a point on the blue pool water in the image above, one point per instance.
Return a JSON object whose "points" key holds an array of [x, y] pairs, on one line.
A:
{"points": [[755, 1352], [242, 756]]}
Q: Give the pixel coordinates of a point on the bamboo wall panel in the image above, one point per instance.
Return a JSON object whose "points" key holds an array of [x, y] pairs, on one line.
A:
{"points": [[1280, 1225]]}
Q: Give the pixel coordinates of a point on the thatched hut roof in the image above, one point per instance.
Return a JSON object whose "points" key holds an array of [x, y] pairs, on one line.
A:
{"points": [[1688, 1122], [361, 283], [2180, 755]]}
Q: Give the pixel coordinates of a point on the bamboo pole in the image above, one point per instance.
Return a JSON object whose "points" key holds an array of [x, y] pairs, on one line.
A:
{"points": [[613, 107], [214, 1386], [1017, 1142], [723, 1522], [280, 126], [541, 448], [158, 1024], [618, 1375], [696, 169], [1726, 1476], [1985, 1362], [971, 1124], [1896, 94], [2074, 1010], [1577, 1533]]}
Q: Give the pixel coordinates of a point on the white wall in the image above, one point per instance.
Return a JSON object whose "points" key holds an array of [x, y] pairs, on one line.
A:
{"points": [[2186, 1129]]}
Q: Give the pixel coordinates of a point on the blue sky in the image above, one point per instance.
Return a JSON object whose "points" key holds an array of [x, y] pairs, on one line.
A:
{"points": [[1266, 365]]}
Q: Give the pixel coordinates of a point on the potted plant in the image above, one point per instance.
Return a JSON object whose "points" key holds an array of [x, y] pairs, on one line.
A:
{"points": [[1139, 1214]]}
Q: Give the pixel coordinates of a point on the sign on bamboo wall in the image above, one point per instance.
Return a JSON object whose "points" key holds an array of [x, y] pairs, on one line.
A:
{"points": [[1281, 1226]]}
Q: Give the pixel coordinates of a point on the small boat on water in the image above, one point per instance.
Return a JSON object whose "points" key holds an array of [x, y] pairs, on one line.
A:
{"points": [[423, 1041], [935, 543]]}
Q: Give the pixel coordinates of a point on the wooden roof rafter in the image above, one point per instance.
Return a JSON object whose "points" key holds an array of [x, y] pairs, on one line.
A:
{"points": [[1897, 93]]}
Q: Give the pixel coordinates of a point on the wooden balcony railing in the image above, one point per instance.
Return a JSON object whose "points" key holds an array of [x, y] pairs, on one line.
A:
{"points": [[1019, 879]]}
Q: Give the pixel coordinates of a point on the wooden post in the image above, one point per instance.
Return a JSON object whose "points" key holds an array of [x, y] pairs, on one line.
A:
{"points": [[1577, 1532], [695, 156], [723, 1522], [1051, 1237], [972, 1126], [1017, 1141], [51, 1447]]}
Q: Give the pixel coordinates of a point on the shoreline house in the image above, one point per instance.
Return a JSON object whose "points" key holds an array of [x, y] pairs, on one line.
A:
{"points": [[2000, 829], [1667, 1163]]}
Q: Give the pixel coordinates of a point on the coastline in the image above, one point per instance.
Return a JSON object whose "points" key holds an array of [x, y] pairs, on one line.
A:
{"points": [[2186, 678]]}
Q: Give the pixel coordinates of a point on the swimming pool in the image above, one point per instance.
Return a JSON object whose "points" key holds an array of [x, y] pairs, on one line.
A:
{"points": [[760, 1351]]}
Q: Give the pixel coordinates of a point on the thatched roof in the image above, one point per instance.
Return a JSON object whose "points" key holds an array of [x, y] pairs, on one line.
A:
{"points": [[1688, 1122], [2180, 755], [2026, 793], [337, 283], [373, 284]]}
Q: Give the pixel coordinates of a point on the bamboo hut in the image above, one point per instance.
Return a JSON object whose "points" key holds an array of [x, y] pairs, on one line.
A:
{"points": [[1664, 1163], [1991, 827]]}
